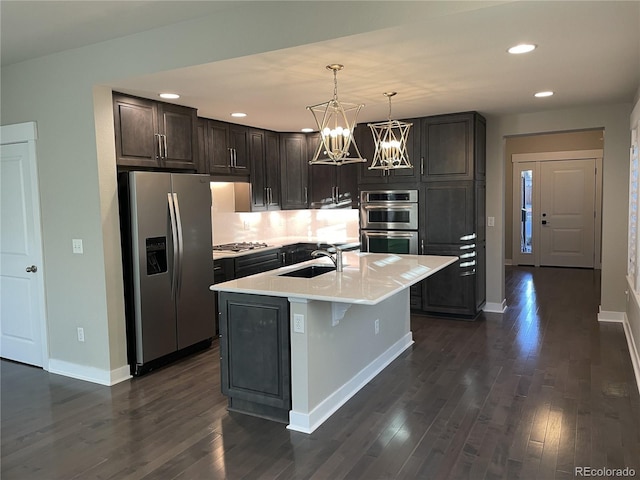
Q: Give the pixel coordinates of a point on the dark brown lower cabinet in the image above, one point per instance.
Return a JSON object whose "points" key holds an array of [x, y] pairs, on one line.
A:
{"points": [[459, 289], [255, 354], [261, 261], [452, 219]]}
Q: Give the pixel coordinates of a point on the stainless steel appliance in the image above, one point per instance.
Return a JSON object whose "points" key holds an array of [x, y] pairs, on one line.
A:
{"points": [[389, 241], [389, 221], [239, 246], [166, 231], [389, 210]]}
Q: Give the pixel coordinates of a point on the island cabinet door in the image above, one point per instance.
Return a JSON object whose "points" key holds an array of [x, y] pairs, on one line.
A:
{"points": [[255, 354]]}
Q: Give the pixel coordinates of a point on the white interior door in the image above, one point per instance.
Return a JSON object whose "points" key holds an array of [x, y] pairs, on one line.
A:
{"points": [[567, 213], [22, 322]]}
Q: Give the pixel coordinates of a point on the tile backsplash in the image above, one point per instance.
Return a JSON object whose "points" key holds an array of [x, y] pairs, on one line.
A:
{"points": [[230, 226]]}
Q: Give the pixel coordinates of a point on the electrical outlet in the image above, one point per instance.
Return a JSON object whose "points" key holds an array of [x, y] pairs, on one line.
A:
{"points": [[80, 334], [298, 323], [491, 221], [376, 326], [76, 245], [247, 225]]}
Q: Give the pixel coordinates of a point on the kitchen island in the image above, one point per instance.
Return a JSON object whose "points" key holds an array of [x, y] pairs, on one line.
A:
{"points": [[295, 349]]}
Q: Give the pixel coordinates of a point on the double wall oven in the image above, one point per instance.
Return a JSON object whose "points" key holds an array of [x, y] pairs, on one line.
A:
{"points": [[389, 221]]}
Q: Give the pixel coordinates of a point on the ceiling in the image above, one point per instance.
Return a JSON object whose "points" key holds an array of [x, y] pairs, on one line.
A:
{"points": [[588, 53]]}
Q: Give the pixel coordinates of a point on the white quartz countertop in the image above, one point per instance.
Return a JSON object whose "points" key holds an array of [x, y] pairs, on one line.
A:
{"points": [[367, 279]]}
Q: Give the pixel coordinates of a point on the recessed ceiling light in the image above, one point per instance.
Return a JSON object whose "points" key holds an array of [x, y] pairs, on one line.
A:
{"points": [[546, 93], [238, 114], [171, 96], [307, 130], [522, 48]]}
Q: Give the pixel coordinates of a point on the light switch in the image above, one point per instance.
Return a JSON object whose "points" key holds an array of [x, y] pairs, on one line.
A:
{"points": [[491, 221], [76, 244]]}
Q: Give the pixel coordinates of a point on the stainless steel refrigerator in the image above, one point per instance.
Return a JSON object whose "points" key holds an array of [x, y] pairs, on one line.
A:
{"points": [[168, 265]]}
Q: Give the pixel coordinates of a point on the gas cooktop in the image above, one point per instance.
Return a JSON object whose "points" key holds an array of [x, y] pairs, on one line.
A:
{"points": [[239, 246]]}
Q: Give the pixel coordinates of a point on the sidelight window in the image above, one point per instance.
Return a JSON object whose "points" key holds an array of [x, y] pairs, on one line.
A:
{"points": [[526, 210]]}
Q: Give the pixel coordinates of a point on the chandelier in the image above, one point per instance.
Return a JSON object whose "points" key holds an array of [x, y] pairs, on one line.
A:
{"points": [[390, 139], [336, 122]]}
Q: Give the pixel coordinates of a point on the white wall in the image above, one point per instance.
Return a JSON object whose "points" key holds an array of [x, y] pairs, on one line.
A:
{"points": [[62, 93], [632, 320], [615, 121]]}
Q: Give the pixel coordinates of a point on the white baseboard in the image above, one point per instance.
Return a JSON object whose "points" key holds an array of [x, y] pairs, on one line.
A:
{"points": [[89, 374], [633, 351], [308, 422], [610, 316], [494, 307], [621, 317]]}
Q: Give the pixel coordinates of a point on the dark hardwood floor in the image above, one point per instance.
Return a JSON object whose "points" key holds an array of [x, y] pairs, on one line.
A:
{"points": [[528, 394]]}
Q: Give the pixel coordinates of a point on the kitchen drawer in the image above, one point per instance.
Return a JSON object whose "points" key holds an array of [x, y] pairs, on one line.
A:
{"points": [[298, 252], [253, 263], [223, 270]]}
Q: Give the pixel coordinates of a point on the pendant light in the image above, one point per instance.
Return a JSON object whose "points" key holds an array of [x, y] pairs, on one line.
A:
{"points": [[390, 139], [336, 122]]}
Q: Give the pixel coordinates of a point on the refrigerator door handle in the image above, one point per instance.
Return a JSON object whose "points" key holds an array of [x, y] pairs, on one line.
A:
{"points": [[180, 243], [174, 236]]}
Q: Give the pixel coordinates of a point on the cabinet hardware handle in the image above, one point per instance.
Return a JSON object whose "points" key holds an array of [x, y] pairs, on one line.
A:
{"points": [[164, 141], [333, 194], [270, 195], [337, 194], [421, 165], [230, 156], [422, 246], [306, 195], [468, 255], [467, 264], [468, 237], [32, 269], [159, 155], [467, 247]]}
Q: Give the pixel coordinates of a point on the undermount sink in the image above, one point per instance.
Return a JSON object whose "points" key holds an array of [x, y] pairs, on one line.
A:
{"points": [[309, 272]]}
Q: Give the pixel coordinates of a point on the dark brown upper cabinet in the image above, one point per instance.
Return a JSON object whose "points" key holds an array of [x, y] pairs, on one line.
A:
{"points": [[364, 139], [225, 147], [294, 169], [331, 186], [453, 147], [264, 151], [152, 134]]}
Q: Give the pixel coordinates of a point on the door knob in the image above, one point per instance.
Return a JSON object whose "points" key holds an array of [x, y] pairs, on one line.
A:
{"points": [[32, 269]]}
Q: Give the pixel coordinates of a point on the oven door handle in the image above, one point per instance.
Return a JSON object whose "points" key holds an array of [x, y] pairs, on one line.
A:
{"points": [[389, 234], [388, 207]]}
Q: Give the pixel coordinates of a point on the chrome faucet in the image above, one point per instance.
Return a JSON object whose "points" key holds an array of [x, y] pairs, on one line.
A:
{"points": [[337, 260]]}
